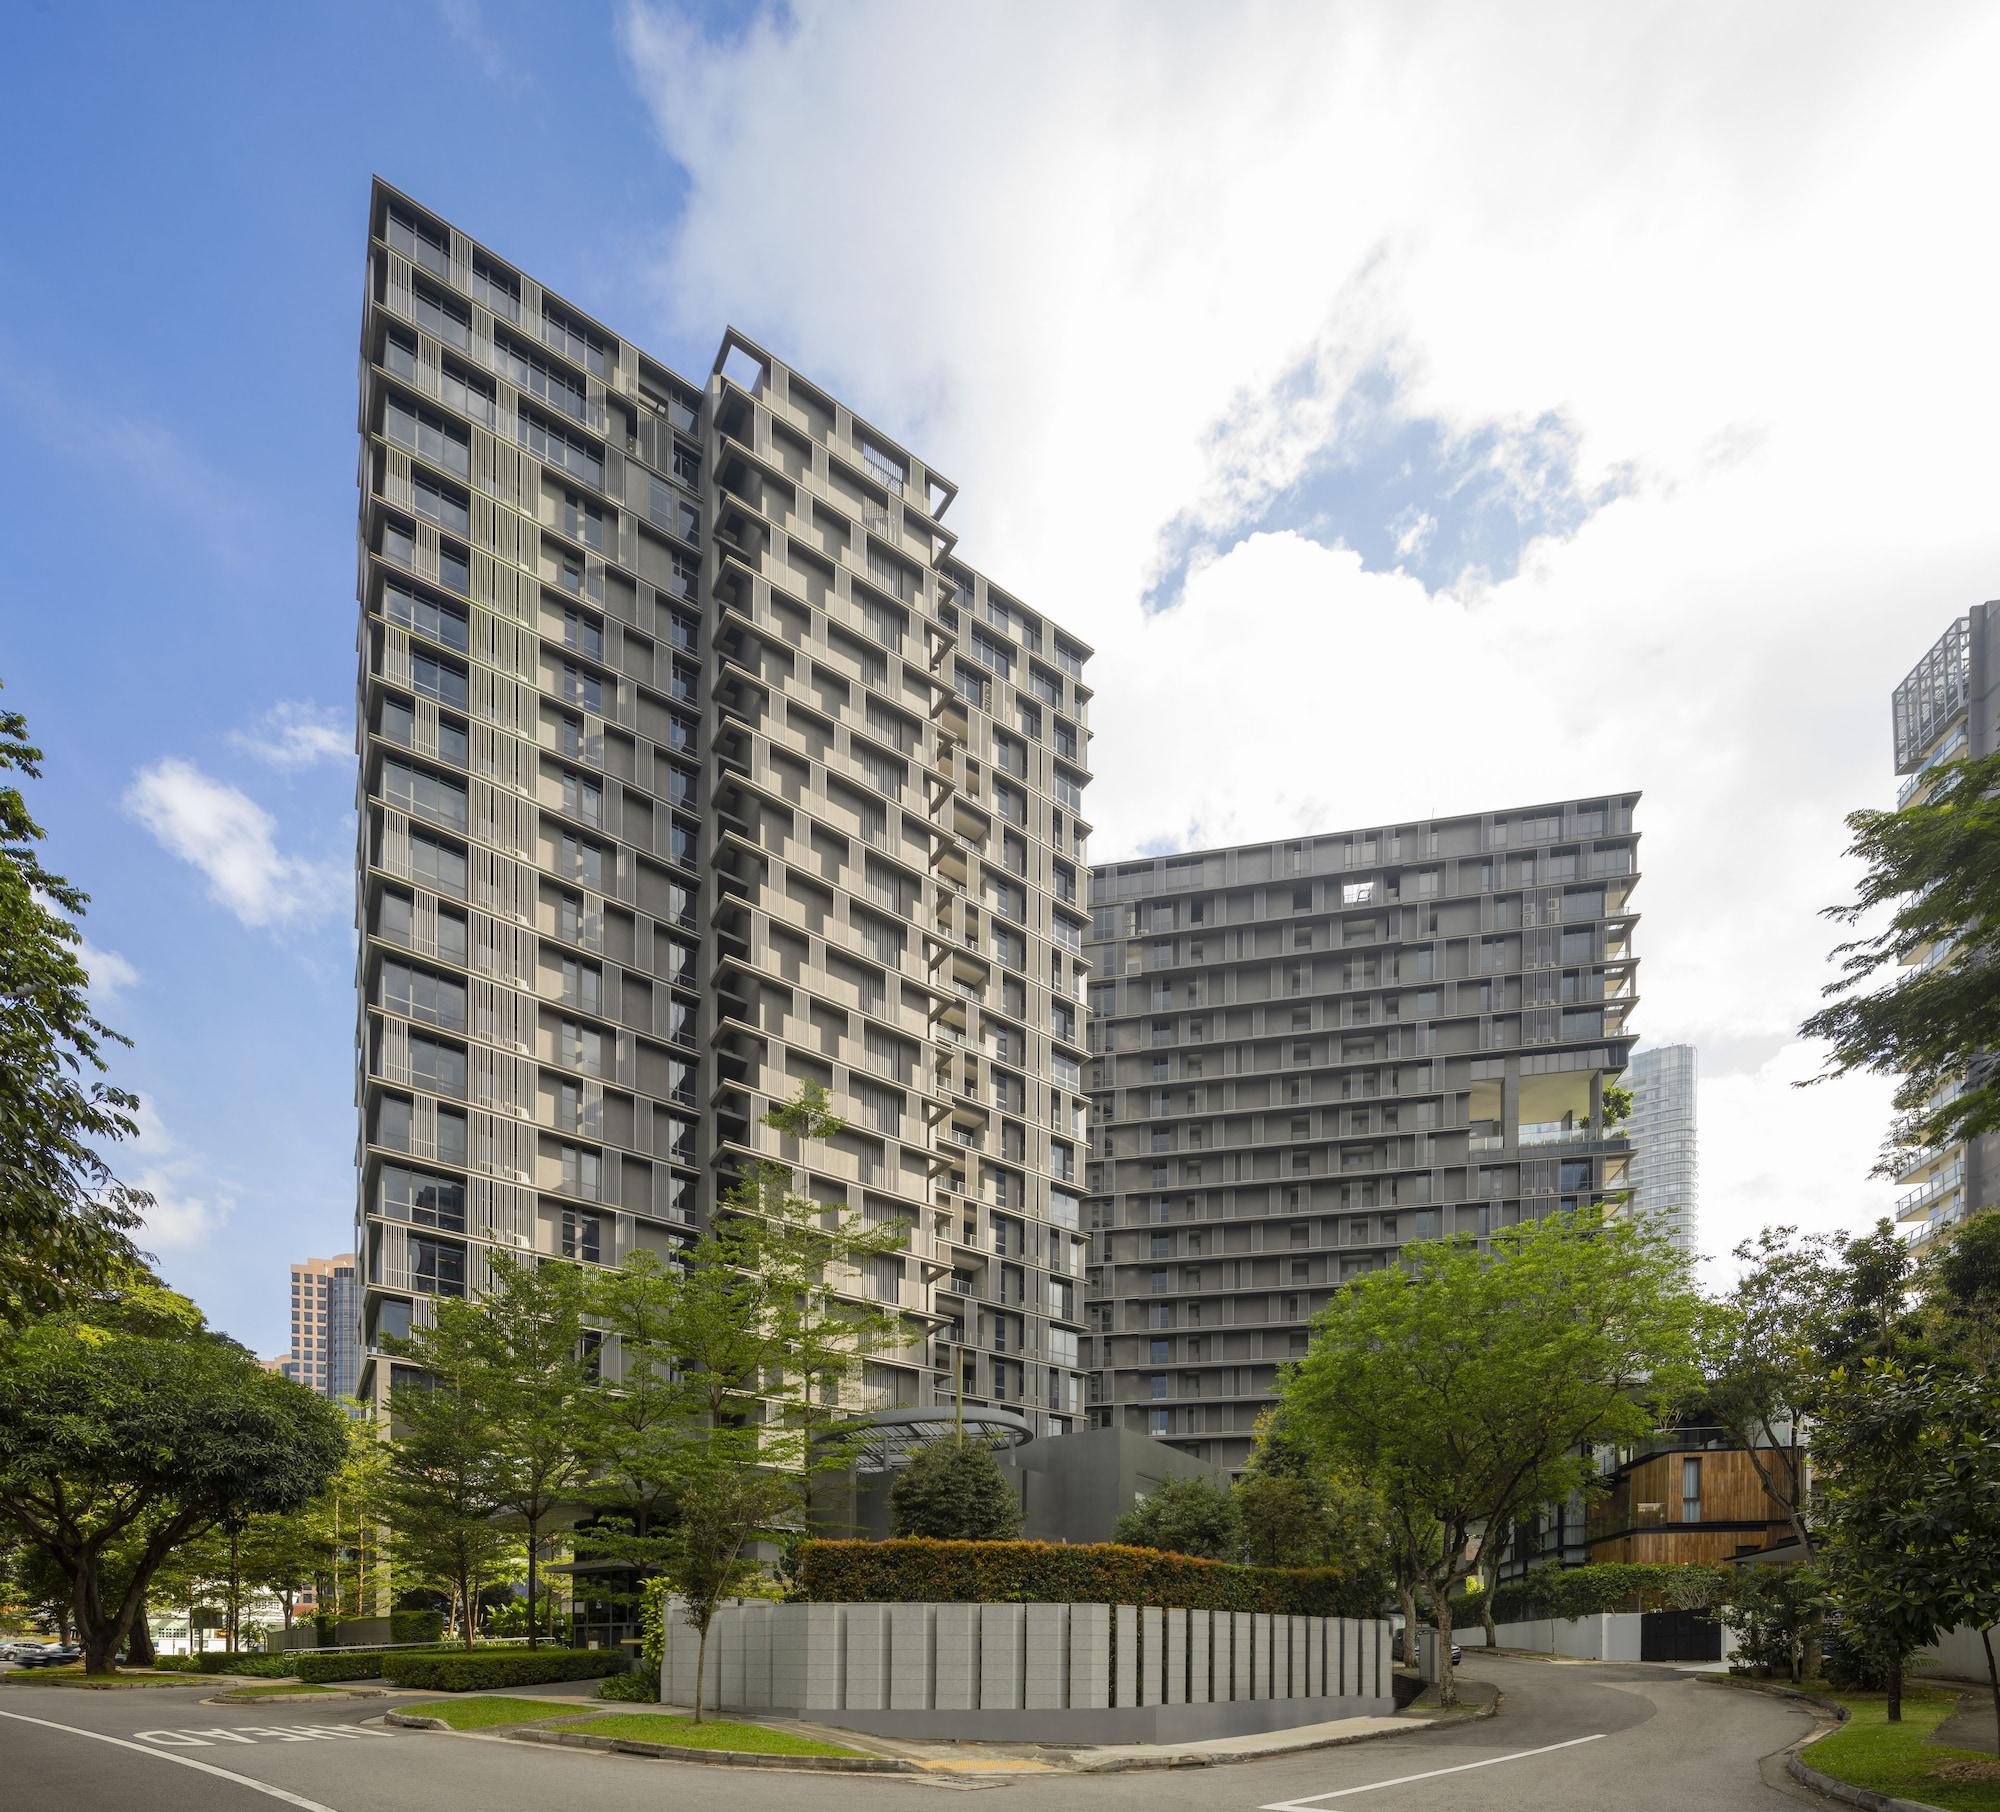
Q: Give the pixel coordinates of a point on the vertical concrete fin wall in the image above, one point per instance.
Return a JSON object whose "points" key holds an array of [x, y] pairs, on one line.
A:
{"points": [[1026, 1672]]}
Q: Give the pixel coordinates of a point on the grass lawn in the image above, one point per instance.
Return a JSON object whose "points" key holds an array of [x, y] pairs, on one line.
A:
{"points": [[73, 1675], [483, 1713], [714, 1733], [244, 1695], [1869, 1751]]}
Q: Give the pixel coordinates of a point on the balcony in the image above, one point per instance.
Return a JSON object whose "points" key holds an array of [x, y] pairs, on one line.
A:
{"points": [[1917, 1204]]}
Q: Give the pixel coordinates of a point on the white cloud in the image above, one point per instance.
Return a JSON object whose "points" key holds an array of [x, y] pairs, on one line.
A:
{"points": [[189, 1208], [231, 838], [295, 733], [1726, 247], [110, 974]]}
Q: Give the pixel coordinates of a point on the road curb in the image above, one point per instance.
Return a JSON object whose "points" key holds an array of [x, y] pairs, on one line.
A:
{"points": [[303, 1698], [720, 1758], [1186, 1759], [1805, 1774]]}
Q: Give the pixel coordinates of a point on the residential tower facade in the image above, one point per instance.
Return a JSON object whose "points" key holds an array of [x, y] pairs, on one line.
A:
{"points": [[1307, 1053], [696, 769], [1948, 709], [326, 1317]]}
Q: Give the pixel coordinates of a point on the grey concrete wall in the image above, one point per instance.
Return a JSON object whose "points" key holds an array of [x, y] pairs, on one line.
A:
{"points": [[1071, 1489], [1033, 1672]]}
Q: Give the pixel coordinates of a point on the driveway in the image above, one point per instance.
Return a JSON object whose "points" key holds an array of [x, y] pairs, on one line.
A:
{"points": [[1570, 1739]]}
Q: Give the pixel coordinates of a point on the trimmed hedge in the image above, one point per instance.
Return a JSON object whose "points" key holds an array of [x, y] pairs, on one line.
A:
{"points": [[1039, 1572], [1565, 1592], [315, 1670], [460, 1672], [415, 1626]]}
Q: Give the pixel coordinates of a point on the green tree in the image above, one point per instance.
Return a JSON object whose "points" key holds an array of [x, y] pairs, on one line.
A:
{"points": [[280, 1554], [765, 1332], [439, 1490], [1908, 1497], [1800, 1307], [1934, 869], [1293, 1510], [1192, 1516], [65, 1220], [1960, 1283], [521, 1353], [140, 1423], [954, 1490], [1468, 1384]]}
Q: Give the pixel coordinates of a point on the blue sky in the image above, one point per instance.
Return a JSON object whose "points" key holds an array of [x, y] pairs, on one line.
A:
{"points": [[178, 332], [1409, 407]]}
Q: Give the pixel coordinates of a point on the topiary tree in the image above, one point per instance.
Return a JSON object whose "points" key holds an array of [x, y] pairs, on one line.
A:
{"points": [[1192, 1516], [954, 1491]]}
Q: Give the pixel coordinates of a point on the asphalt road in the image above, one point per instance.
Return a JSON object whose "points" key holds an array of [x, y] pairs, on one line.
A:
{"points": [[1570, 1739]]}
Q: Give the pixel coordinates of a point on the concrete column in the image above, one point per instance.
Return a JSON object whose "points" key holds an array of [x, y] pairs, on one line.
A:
{"points": [[1152, 1645], [911, 1641], [825, 1629], [789, 1623], [756, 1641], [1089, 1656], [1045, 1676], [866, 1686], [1175, 1691], [1296, 1674], [1199, 1625], [1001, 1629], [1128, 1655], [957, 1669], [1243, 1647]]}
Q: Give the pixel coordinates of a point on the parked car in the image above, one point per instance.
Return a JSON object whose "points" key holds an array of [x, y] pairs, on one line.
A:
{"points": [[52, 1654]]}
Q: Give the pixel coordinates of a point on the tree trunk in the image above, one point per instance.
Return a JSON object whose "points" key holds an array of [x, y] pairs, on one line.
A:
{"points": [[139, 1650], [1407, 1594], [1489, 1580], [1447, 1685], [100, 1645], [235, 1590], [1993, 1679], [465, 1608], [700, 1666], [534, 1550], [1896, 1689]]}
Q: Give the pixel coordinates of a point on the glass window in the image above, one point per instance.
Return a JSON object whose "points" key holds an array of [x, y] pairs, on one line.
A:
{"points": [[437, 1066], [567, 335], [583, 1236], [547, 382], [581, 1046], [437, 863], [419, 241], [582, 799], [437, 1266], [420, 1196], [428, 434], [440, 504], [427, 616], [417, 790], [420, 994], [442, 316], [581, 687], [550, 443], [454, 567]]}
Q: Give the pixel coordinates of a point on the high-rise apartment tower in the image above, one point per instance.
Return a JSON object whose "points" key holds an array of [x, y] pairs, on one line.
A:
{"points": [[326, 1315], [1948, 709], [1306, 1053], [696, 768], [1665, 1174]]}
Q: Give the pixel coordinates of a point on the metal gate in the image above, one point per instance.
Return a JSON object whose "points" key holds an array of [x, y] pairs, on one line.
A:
{"points": [[1679, 1636]]}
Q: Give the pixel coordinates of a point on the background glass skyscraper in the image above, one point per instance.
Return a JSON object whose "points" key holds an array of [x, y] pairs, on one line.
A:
{"points": [[1665, 1175]]}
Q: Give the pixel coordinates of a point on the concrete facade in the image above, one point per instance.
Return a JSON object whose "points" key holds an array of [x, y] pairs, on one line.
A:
{"points": [[1073, 1489], [1307, 1053], [696, 767], [1059, 1673], [325, 1306], [1948, 709]]}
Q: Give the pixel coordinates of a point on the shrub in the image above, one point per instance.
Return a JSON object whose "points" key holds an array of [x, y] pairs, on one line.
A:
{"points": [[955, 1491], [630, 1688], [444, 1671], [1196, 1517], [173, 1664], [415, 1626], [1035, 1572], [1565, 1592]]}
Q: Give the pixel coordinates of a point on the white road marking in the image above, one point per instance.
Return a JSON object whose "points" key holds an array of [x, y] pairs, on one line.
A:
{"points": [[1403, 1780], [184, 1761]]}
